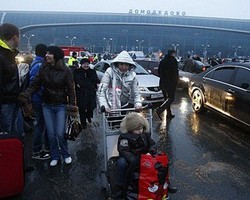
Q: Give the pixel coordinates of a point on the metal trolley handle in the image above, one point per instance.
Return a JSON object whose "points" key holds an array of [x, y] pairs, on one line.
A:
{"points": [[147, 106]]}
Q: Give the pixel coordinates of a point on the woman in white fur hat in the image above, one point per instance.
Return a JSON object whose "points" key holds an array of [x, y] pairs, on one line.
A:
{"points": [[119, 84]]}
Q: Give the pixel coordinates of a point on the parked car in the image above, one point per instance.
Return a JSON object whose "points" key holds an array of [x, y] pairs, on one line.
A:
{"points": [[223, 88], [152, 67], [185, 74], [148, 83]]}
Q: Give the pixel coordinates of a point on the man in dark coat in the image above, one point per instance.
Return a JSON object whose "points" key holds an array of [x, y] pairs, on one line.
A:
{"points": [[86, 84], [169, 76], [9, 78]]}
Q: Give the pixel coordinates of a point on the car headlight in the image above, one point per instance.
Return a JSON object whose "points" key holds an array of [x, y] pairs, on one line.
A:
{"points": [[185, 79]]}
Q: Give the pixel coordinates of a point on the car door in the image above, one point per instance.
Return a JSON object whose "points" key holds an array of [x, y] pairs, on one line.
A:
{"points": [[239, 108], [216, 88]]}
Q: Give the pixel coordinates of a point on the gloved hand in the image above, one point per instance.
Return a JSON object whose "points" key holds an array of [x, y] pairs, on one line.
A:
{"points": [[22, 99], [72, 110], [138, 108], [107, 110]]}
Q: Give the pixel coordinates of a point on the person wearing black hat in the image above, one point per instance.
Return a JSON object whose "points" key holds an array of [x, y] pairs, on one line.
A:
{"points": [[73, 62], [169, 76], [58, 100], [86, 84], [40, 136]]}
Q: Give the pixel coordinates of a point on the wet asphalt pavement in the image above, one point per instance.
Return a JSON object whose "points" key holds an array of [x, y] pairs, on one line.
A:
{"points": [[209, 159]]}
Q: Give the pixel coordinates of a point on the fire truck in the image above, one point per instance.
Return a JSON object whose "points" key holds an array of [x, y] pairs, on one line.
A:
{"points": [[68, 50]]}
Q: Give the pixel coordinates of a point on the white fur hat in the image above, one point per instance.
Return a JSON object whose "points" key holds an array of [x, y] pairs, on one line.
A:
{"points": [[132, 121]]}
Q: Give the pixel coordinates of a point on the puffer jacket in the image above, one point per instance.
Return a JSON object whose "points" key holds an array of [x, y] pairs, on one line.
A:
{"points": [[132, 145], [58, 84], [118, 89], [9, 78]]}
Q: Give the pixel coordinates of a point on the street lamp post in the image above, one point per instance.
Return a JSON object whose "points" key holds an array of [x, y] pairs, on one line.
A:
{"points": [[29, 47], [71, 40], [175, 48], [108, 45], [140, 44], [235, 50], [205, 50]]}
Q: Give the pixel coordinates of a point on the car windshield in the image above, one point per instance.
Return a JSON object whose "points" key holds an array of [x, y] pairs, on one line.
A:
{"points": [[140, 70]]}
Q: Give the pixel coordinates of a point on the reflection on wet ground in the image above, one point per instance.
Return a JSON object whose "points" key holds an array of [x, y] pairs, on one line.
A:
{"points": [[209, 159]]}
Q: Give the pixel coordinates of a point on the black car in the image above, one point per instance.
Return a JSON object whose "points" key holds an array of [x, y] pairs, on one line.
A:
{"points": [[223, 88], [150, 65]]}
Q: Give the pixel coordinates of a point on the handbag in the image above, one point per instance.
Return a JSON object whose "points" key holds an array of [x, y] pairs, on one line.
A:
{"points": [[148, 178], [73, 128], [27, 110]]}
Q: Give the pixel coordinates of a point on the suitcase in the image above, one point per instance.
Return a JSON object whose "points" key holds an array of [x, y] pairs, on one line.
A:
{"points": [[11, 166]]}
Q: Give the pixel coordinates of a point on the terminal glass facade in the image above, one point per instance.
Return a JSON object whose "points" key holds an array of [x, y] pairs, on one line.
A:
{"points": [[101, 32]]}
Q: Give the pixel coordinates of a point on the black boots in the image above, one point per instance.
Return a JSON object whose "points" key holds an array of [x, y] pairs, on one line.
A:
{"points": [[172, 189], [165, 105]]}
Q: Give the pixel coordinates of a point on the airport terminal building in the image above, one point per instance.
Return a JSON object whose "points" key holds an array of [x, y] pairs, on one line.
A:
{"points": [[149, 31]]}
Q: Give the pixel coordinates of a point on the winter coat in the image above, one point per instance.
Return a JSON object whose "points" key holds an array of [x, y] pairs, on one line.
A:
{"points": [[9, 78], [86, 86], [34, 69], [58, 84], [117, 89], [189, 65], [168, 72], [132, 145]]}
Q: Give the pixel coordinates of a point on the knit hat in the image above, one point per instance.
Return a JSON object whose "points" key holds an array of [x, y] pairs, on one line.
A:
{"points": [[41, 50], [84, 60], [57, 52], [123, 57], [133, 121]]}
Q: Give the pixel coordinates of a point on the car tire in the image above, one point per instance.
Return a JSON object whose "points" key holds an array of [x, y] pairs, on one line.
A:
{"points": [[198, 101]]}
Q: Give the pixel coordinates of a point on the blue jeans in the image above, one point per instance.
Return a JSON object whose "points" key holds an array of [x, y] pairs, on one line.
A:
{"points": [[20, 128], [40, 136], [122, 167], [8, 118], [55, 120]]}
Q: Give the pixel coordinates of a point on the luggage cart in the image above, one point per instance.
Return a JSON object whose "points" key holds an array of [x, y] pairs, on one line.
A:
{"points": [[110, 131]]}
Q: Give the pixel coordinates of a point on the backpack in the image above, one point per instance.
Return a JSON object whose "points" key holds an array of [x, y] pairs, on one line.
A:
{"points": [[112, 176], [24, 77]]}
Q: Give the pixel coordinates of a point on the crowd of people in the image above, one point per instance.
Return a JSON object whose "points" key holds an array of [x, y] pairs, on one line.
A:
{"points": [[41, 92], [54, 89]]}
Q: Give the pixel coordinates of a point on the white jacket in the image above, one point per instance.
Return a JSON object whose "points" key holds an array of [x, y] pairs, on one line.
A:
{"points": [[118, 89]]}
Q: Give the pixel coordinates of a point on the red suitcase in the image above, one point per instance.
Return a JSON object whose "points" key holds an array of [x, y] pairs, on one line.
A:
{"points": [[11, 166]]}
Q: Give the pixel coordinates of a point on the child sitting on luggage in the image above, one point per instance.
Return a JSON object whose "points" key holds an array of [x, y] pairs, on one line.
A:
{"points": [[135, 139]]}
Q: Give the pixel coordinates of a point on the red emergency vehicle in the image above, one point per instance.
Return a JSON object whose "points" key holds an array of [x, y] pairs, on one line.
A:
{"points": [[68, 50]]}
